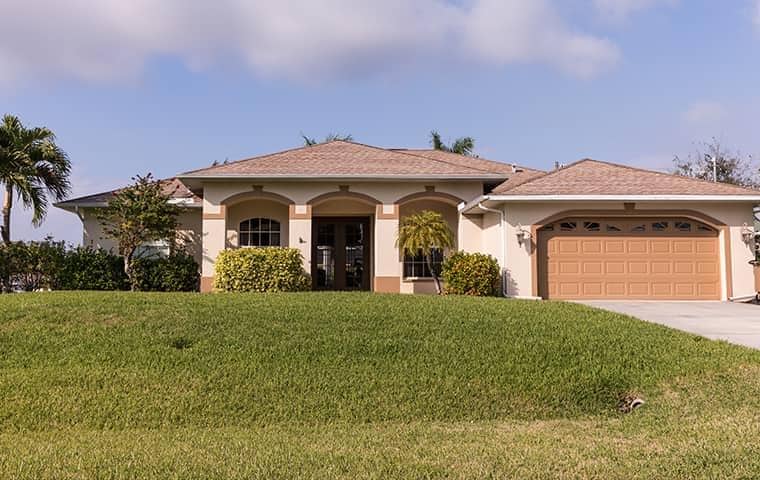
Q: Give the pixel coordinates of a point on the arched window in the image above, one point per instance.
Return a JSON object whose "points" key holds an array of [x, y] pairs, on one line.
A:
{"points": [[259, 232]]}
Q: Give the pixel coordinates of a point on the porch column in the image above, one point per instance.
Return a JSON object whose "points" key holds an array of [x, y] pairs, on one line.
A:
{"points": [[214, 241], [387, 276], [299, 232]]}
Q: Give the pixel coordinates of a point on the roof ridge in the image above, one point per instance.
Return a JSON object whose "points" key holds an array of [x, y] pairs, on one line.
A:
{"points": [[407, 150], [646, 170], [347, 142]]}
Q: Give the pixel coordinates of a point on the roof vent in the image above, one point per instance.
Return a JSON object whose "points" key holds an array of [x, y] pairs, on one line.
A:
{"points": [[559, 166], [516, 169]]}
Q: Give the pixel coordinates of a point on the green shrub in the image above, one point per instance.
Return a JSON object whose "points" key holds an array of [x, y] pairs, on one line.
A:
{"points": [[471, 274], [267, 269], [30, 266], [176, 273], [87, 268]]}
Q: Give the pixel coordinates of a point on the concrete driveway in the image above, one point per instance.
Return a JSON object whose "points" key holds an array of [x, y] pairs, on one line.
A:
{"points": [[734, 322]]}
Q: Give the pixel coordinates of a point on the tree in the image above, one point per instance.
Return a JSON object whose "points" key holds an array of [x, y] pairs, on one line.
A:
{"points": [[462, 145], [331, 137], [423, 233], [730, 166], [138, 214], [32, 167]]}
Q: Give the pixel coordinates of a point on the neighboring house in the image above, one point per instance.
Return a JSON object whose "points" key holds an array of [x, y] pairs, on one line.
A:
{"points": [[588, 230]]}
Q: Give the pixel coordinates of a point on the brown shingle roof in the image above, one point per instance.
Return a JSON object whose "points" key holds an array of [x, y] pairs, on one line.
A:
{"points": [[593, 177], [340, 158], [170, 186], [472, 162]]}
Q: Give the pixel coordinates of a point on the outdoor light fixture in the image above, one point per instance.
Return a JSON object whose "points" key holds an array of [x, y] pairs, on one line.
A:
{"points": [[748, 234], [523, 235]]}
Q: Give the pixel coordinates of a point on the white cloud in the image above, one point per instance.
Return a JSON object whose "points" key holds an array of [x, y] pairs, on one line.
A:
{"points": [[756, 13], [705, 112], [111, 40], [618, 10]]}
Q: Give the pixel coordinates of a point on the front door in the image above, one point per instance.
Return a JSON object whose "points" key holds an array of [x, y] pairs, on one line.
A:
{"points": [[340, 253]]}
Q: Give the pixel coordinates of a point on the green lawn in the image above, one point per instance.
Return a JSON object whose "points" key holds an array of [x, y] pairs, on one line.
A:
{"points": [[325, 385]]}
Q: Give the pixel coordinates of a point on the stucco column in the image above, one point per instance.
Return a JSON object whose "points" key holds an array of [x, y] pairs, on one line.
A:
{"points": [[299, 232], [387, 269], [214, 241]]}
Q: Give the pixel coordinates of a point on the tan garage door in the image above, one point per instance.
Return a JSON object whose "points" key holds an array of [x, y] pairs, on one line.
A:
{"points": [[629, 258]]}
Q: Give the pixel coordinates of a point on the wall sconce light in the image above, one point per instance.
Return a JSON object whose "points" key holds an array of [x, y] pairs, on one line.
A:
{"points": [[523, 235], [748, 234]]}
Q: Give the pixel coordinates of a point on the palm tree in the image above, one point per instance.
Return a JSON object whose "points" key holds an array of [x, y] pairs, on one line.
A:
{"points": [[424, 232], [31, 166], [462, 145], [331, 137]]}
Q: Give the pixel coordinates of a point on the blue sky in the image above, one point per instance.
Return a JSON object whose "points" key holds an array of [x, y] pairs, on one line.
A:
{"points": [[132, 87]]}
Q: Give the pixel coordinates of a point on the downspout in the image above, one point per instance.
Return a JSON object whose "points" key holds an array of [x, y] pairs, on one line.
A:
{"points": [[502, 221]]}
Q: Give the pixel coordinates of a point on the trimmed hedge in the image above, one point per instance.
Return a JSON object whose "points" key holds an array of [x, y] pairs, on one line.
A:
{"points": [[30, 266], [87, 268], [176, 273], [471, 274], [261, 269]]}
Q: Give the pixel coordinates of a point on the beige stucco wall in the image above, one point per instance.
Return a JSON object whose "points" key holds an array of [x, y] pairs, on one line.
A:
{"points": [[188, 232], [220, 224], [525, 215]]}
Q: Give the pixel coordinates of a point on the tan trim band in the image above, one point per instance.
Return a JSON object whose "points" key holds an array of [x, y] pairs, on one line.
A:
{"points": [[294, 215], [387, 284], [222, 215], [360, 197], [430, 195], [256, 195], [381, 215]]}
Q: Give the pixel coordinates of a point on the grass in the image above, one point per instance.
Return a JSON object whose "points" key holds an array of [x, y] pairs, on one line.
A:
{"points": [[332, 385]]}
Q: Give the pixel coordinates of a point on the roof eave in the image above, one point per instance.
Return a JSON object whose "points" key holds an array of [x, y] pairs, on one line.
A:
{"points": [[493, 200], [399, 177]]}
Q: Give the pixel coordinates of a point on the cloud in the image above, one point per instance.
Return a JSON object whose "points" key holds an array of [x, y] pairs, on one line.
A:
{"points": [[618, 10], [705, 112], [112, 40], [756, 13]]}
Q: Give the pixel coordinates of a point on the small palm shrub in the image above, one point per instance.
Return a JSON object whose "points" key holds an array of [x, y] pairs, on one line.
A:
{"points": [[267, 269], [471, 274]]}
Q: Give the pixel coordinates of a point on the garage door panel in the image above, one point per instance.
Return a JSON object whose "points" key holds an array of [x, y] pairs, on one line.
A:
{"points": [[593, 289], [614, 267], [662, 289], [706, 247], [683, 246], [661, 268], [630, 263], [660, 246], [567, 247], [637, 246], [614, 246], [638, 267]]}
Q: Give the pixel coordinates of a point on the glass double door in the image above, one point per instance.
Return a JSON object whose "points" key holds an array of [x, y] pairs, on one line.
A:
{"points": [[340, 253]]}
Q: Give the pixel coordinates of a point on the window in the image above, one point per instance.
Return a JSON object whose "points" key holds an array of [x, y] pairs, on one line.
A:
{"points": [[591, 226], [415, 266], [683, 226], [639, 228], [659, 226], [568, 226], [259, 232], [613, 228], [156, 249]]}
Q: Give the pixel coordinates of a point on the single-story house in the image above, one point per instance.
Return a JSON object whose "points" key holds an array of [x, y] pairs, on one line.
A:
{"points": [[588, 230]]}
